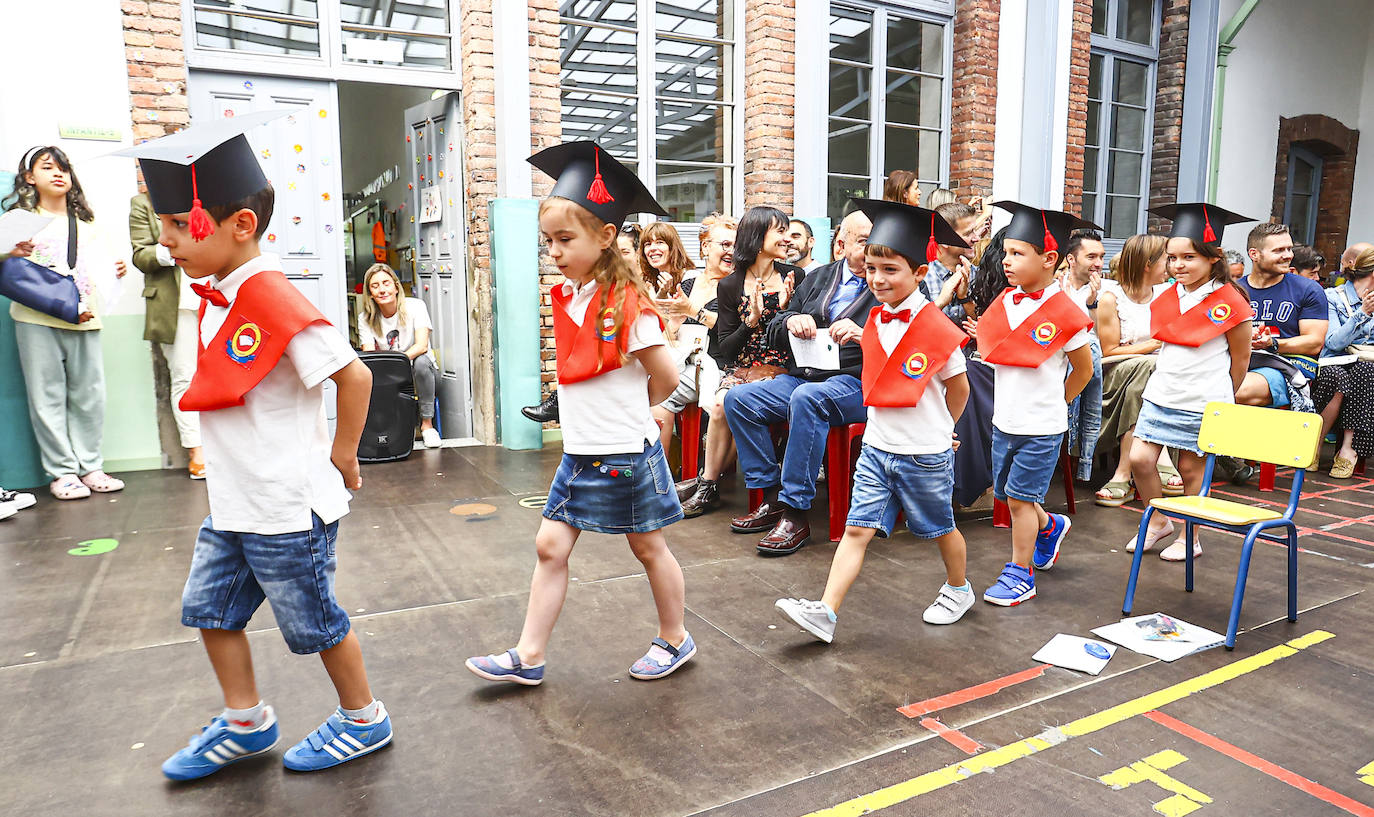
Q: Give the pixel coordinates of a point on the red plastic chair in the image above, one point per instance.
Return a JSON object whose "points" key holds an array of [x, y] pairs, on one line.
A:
{"points": [[840, 455], [1068, 466], [689, 432], [1268, 471]]}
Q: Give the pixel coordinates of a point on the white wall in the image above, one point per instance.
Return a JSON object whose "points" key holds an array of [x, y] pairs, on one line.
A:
{"points": [[1362, 207], [1291, 58], [85, 83]]}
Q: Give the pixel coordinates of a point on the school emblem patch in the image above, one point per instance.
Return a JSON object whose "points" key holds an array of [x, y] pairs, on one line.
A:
{"points": [[1219, 314], [915, 366], [1045, 333], [243, 344], [607, 332]]}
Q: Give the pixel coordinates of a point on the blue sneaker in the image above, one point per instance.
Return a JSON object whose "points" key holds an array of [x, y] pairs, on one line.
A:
{"points": [[486, 666], [220, 744], [339, 740], [1015, 585], [1048, 540], [662, 659]]}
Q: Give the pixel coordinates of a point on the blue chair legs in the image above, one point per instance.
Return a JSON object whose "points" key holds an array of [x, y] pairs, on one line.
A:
{"points": [[1135, 561]]}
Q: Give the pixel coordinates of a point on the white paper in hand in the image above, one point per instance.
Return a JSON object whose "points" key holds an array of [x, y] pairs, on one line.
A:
{"points": [[820, 352], [1072, 652], [19, 225]]}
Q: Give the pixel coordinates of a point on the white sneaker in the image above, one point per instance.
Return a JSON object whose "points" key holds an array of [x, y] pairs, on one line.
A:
{"points": [[950, 605], [431, 438], [15, 500], [6, 511], [813, 616]]}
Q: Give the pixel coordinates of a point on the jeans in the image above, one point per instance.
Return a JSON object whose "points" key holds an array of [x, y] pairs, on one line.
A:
{"points": [[1085, 416], [422, 368], [810, 409]]}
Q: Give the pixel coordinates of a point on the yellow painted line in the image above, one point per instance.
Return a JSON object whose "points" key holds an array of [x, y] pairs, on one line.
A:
{"points": [[996, 758], [1366, 774], [1177, 806]]}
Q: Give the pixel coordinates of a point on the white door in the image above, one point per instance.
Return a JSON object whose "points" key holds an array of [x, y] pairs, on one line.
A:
{"points": [[300, 155], [437, 233]]}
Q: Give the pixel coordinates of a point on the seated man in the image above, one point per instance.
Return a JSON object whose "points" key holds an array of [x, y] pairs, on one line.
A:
{"points": [[1293, 311], [810, 400]]}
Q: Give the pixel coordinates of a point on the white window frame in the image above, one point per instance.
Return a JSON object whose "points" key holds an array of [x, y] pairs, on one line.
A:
{"points": [[330, 64]]}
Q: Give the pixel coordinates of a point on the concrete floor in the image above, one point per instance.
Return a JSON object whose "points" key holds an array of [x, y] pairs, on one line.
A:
{"points": [[102, 682]]}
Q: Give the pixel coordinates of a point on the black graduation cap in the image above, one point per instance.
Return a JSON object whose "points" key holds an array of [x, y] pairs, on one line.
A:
{"points": [[915, 232], [1047, 229], [202, 166], [591, 177], [1201, 222]]}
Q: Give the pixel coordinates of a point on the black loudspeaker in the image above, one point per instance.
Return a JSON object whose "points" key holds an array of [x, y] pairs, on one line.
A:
{"points": [[389, 433]]}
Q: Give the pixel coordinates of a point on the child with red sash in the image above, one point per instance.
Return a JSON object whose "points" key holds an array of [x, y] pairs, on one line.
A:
{"points": [[613, 365], [277, 484], [1032, 334], [915, 389], [1204, 323]]}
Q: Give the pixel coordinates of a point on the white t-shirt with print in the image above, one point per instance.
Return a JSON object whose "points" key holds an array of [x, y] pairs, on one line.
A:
{"points": [[927, 427], [416, 317], [609, 413], [1031, 401], [267, 461], [1188, 377]]}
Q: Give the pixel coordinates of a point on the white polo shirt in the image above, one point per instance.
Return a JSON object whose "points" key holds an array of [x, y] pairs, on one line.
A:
{"points": [[267, 461], [927, 427], [1187, 377], [1031, 401], [609, 413]]}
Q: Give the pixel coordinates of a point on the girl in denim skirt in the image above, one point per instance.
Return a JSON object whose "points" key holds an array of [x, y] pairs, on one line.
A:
{"points": [[613, 366]]}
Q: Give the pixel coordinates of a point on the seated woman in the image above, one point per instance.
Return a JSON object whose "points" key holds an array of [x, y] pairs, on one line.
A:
{"points": [[1128, 359], [391, 322], [1344, 392], [663, 260]]}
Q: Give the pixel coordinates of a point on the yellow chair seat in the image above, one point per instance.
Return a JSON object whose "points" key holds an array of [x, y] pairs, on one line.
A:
{"points": [[1219, 511]]}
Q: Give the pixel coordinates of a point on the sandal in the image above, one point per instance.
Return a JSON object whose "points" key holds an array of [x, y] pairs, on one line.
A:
{"points": [[102, 483], [68, 486], [1151, 538], [1177, 552], [1342, 468], [1170, 481], [1114, 494]]}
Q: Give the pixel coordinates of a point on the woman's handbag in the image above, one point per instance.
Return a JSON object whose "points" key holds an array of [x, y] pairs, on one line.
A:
{"points": [[43, 289], [1362, 351]]}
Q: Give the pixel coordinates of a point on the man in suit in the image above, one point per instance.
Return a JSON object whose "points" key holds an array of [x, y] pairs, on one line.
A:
{"points": [[833, 296], [170, 309]]}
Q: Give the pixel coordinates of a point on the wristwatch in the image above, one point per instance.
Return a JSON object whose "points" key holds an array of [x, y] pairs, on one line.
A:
{"points": [[967, 299], [1092, 305], [1273, 344]]}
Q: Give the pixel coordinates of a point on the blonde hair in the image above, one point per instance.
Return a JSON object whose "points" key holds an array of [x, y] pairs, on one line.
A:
{"points": [[710, 223], [372, 314], [610, 271], [1139, 253], [678, 262]]}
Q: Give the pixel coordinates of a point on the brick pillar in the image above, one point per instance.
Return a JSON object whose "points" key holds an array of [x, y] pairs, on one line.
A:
{"points": [[546, 130], [157, 68], [1168, 128], [770, 85], [1080, 50], [1338, 146], [974, 97], [479, 156]]}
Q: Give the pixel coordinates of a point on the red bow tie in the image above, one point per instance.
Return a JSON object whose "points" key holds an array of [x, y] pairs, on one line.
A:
{"points": [[1016, 297], [904, 316], [210, 294]]}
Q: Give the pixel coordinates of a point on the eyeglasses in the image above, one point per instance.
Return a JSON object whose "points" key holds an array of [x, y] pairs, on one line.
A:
{"points": [[724, 245]]}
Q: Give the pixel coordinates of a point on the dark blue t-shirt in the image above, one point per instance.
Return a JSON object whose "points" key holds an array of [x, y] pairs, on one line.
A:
{"points": [[1294, 298]]}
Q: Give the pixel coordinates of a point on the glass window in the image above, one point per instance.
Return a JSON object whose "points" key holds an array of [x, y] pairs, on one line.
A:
{"points": [[888, 84], [286, 27], [1303, 193]]}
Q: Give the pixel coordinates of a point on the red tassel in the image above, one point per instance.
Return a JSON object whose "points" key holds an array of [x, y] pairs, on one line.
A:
{"points": [[1050, 244], [1208, 237], [202, 226], [932, 248], [598, 194]]}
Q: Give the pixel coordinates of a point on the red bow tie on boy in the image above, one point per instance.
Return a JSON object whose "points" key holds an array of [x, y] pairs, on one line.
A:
{"points": [[210, 294], [904, 316], [1017, 297]]}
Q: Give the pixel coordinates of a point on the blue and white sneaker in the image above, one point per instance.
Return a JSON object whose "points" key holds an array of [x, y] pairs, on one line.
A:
{"points": [[490, 668], [339, 740], [1015, 585], [662, 659], [220, 744], [1048, 540]]}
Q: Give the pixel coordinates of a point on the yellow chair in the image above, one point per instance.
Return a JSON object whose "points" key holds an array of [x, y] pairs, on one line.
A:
{"points": [[1281, 437]]}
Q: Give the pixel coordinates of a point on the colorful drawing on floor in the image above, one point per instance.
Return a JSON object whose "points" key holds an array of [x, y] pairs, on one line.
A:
{"points": [[94, 547]]}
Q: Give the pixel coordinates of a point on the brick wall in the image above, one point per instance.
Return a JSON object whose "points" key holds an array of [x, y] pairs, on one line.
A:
{"points": [[770, 86], [974, 97], [1080, 52], [1168, 128], [157, 68], [1338, 146], [479, 155], [546, 130]]}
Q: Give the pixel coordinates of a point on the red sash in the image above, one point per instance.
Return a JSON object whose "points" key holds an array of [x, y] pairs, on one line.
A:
{"points": [[594, 347], [1040, 335], [898, 380], [266, 314], [1219, 312]]}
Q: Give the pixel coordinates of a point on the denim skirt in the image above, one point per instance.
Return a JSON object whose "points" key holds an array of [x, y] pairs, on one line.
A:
{"points": [[614, 493], [1174, 428]]}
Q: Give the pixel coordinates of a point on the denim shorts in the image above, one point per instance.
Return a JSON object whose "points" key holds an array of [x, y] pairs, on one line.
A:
{"points": [[614, 493], [1170, 427], [1022, 464], [1278, 386], [919, 485], [231, 574]]}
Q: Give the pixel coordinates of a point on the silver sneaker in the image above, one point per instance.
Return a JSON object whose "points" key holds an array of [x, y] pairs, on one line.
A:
{"points": [[812, 616], [949, 606]]}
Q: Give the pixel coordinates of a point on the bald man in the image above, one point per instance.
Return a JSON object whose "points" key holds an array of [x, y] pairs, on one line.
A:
{"points": [[1352, 252]]}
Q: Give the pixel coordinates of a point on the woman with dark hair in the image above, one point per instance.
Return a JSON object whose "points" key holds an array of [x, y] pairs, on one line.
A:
{"points": [[757, 290], [991, 279], [63, 370], [899, 185], [1344, 392]]}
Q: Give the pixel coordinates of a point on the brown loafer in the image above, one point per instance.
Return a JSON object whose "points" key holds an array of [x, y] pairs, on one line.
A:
{"points": [[786, 537], [757, 521]]}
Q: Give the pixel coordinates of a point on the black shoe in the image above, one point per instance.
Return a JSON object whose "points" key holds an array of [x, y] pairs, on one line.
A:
{"points": [[545, 412], [686, 488], [706, 498]]}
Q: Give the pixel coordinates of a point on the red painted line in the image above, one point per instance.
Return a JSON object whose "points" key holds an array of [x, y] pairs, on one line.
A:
{"points": [[1317, 532], [1257, 763], [972, 693], [954, 736]]}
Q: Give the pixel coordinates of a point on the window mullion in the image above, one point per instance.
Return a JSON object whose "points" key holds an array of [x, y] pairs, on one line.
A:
{"points": [[877, 139], [648, 94]]}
